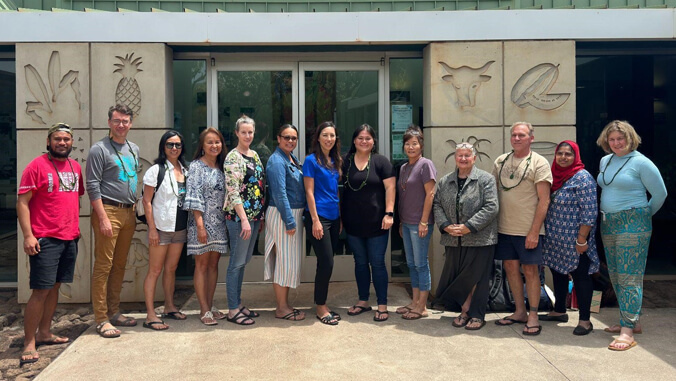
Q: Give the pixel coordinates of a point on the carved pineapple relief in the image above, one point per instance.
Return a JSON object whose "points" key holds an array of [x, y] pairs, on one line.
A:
{"points": [[128, 91]]}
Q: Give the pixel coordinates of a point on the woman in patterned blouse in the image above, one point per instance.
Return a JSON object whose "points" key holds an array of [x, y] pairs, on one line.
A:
{"points": [[244, 204], [569, 244]]}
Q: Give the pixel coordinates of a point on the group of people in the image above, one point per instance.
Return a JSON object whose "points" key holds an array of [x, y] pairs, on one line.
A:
{"points": [[218, 204]]}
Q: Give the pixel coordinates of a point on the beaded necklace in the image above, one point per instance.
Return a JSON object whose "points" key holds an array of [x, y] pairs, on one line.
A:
{"points": [[502, 165], [404, 180], [615, 175], [73, 182], [347, 174]]}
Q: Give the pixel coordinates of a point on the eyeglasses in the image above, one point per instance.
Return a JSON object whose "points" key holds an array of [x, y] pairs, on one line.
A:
{"points": [[289, 138], [118, 122], [173, 145]]}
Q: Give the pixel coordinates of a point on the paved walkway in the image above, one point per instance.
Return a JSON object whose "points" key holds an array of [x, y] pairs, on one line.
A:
{"points": [[359, 348]]}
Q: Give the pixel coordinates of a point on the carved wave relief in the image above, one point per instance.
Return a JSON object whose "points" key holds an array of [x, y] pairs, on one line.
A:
{"points": [[533, 88]]}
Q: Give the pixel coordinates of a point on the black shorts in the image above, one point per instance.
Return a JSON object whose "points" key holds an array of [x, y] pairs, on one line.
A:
{"points": [[514, 247], [55, 263]]}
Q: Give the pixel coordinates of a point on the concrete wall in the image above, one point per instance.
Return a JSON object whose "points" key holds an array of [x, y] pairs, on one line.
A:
{"points": [[474, 91], [76, 83]]}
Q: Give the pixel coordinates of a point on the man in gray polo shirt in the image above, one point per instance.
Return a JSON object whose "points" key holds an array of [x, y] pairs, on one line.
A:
{"points": [[112, 178]]}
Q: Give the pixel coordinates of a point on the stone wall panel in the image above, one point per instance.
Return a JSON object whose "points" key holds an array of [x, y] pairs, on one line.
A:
{"points": [[546, 139], [138, 75], [540, 82], [464, 83], [52, 85]]}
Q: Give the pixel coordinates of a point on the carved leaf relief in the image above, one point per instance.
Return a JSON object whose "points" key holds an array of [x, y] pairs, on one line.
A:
{"points": [[533, 88], [36, 86]]}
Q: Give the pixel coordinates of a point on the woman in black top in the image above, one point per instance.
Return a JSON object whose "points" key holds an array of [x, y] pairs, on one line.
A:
{"points": [[367, 212]]}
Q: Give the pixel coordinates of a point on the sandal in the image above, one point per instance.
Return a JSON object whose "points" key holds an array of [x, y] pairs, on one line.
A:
{"points": [[152, 324], [241, 319], [537, 328], [293, 315], [412, 315], [208, 319], [359, 310], [628, 347], [335, 315], [403, 310], [127, 322], [54, 340], [329, 319], [216, 314], [105, 332], [31, 360], [460, 321], [176, 315], [379, 316], [251, 314], [481, 322]]}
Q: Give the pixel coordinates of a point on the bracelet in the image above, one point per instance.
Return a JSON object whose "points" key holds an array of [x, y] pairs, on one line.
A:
{"points": [[423, 223], [581, 244]]}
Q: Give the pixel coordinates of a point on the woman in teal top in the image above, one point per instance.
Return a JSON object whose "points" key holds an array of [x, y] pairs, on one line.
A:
{"points": [[626, 223]]}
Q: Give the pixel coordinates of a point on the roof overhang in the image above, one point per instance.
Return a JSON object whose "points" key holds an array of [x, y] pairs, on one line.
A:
{"points": [[338, 28]]}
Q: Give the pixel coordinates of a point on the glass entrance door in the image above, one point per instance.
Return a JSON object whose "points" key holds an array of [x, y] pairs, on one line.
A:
{"points": [[305, 94], [349, 94]]}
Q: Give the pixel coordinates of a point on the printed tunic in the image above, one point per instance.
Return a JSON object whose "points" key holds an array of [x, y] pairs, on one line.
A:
{"points": [[574, 204], [205, 193]]}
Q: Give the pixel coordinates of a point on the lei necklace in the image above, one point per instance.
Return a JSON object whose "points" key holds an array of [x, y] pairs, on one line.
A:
{"points": [[73, 182], [347, 174], [502, 165]]}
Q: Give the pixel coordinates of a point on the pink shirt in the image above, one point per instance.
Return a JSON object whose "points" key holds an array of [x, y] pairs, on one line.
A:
{"points": [[54, 205]]}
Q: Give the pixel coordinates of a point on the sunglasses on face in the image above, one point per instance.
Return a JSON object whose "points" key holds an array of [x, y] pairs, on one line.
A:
{"points": [[173, 145], [289, 138]]}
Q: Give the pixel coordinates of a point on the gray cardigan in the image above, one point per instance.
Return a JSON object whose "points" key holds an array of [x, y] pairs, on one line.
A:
{"points": [[478, 208]]}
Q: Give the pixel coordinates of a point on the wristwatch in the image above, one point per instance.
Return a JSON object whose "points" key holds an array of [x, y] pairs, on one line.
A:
{"points": [[391, 214]]}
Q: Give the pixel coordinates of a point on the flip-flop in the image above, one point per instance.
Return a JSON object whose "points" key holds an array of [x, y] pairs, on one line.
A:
{"points": [[475, 320], [402, 310], [127, 322], [152, 324], [30, 360], [378, 316], [463, 321], [104, 332], [176, 315], [293, 315], [360, 310], [53, 341], [511, 321], [628, 347], [412, 315], [527, 333], [329, 319], [208, 319]]}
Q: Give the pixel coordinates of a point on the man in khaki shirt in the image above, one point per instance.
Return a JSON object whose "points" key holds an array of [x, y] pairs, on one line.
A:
{"points": [[524, 179]]}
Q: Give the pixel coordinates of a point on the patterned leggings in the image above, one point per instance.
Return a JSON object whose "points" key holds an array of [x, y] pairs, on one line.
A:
{"points": [[626, 237]]}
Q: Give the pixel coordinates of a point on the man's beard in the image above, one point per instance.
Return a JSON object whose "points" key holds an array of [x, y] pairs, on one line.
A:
{"points": [[59, 155]]}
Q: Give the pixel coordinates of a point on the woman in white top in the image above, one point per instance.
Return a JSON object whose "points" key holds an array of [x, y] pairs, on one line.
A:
{"points": [[167, 224]]}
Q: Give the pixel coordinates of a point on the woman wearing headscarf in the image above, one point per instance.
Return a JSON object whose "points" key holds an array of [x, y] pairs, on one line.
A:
{"points": [[569, 246]]}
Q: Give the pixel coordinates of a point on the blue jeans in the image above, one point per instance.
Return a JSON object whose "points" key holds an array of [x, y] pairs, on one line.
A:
{"points": [[369, 261], [240, 254], [416, 256]]}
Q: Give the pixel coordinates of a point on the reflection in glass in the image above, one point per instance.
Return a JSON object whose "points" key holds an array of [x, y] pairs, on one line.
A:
{"points": [[8, 244], [265, 96]]}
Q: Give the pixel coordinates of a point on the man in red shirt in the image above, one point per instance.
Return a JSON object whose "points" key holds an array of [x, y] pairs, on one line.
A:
{"points": [[48, 208]]}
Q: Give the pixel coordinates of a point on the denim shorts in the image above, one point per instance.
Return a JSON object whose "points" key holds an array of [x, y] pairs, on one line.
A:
{"points": [[55, 263], [167, 238], [514, 247]]}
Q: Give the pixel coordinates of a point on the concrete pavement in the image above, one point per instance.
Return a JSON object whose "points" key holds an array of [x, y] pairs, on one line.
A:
{"points": [[359, 348]]}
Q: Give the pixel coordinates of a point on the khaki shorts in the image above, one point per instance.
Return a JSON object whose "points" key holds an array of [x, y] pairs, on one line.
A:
{"points": [[167, 238]]}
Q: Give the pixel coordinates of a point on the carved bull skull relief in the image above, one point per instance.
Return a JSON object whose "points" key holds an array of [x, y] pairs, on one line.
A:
{"points": [[466, 81]]}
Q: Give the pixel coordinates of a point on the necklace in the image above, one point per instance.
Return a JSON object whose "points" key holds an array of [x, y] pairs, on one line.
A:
{"points": [[502, 166], [347, 175], [615, 175], [409, 166], [73, 182], [133, 174]]}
